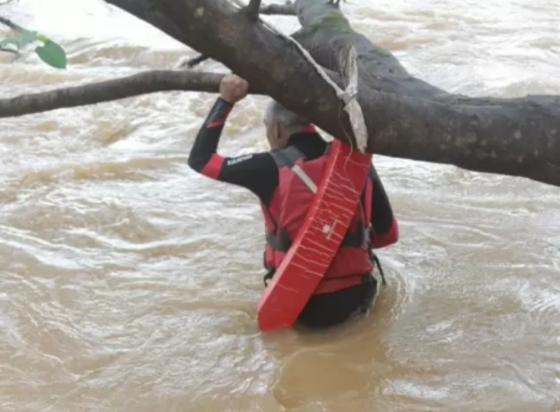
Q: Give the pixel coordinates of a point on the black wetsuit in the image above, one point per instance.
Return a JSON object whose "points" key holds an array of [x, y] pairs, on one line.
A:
{"points": [[258, 173]]}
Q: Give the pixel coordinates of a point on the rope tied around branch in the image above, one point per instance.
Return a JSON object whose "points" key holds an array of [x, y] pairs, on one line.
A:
{"points": [[348, 96]]}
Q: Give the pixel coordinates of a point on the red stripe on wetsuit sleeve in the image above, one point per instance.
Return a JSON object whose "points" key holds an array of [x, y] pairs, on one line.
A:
{"points": [[388, 238], [218, 118], [214, 166], [216, 123]]}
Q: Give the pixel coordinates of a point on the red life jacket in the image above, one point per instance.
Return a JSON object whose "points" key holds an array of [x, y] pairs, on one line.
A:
{"points": [[288, 208]]}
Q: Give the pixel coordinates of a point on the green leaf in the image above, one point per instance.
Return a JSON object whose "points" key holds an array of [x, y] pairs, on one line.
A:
{"points": [[52, 54], [26, 37], [42, 37]]}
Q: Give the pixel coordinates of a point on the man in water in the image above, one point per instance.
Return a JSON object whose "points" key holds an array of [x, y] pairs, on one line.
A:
{"points": [[349, 286]]}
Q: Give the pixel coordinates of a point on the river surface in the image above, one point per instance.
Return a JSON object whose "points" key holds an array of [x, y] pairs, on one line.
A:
{"points": [[130, 283]]}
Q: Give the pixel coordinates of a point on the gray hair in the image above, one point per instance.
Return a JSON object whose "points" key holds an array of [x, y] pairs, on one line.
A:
{"points": [[276, 113]]}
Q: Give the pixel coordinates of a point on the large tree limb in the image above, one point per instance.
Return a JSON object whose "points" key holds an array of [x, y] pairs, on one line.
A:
{"points": [[511, 136], [270, 62], [142, 83], [406, 117]]}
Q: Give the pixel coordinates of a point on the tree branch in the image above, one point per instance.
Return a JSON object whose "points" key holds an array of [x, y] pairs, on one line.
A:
{"points": [[253, 9], [142, 83], [10, 24], [405, 116], [195, 61]]}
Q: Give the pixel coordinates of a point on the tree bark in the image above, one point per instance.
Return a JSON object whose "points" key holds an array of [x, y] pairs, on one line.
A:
{"points": [[253, 9], [142, 83], [511, 136], [405, 117]]}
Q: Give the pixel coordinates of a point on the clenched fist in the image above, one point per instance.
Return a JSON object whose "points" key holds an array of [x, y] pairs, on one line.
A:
{"points": [[233, 88]]}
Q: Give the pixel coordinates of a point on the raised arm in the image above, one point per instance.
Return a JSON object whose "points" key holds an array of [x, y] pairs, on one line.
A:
{"points": [[256, 172]]}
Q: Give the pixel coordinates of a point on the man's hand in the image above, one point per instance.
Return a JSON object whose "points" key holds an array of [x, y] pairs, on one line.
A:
{"points": [[233, 88]]}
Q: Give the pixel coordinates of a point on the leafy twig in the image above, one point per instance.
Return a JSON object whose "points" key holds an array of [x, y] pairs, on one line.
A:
{"points": [[50, 52]]}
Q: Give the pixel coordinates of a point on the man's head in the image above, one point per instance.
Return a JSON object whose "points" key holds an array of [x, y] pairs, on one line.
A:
{"points": [[280, 124]]}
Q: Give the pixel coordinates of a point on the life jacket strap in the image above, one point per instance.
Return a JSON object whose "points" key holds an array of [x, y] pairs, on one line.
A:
{"points": [[356, 238], [374, 259], [304, 177], [371, 282], [279, 241], [287, 157]]}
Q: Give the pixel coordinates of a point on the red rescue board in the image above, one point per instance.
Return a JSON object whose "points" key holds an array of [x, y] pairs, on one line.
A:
{"points": [[318, 240]]}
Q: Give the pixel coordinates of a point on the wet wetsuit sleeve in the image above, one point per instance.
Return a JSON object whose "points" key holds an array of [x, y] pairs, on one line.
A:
{"points": [[257, 172], [385, 228]]}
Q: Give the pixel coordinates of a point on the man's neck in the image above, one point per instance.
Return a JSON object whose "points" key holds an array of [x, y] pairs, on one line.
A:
{"points": [[311, 144]]}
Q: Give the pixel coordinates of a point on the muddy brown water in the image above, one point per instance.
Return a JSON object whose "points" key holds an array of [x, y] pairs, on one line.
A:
{"points": [[129, 283]]}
